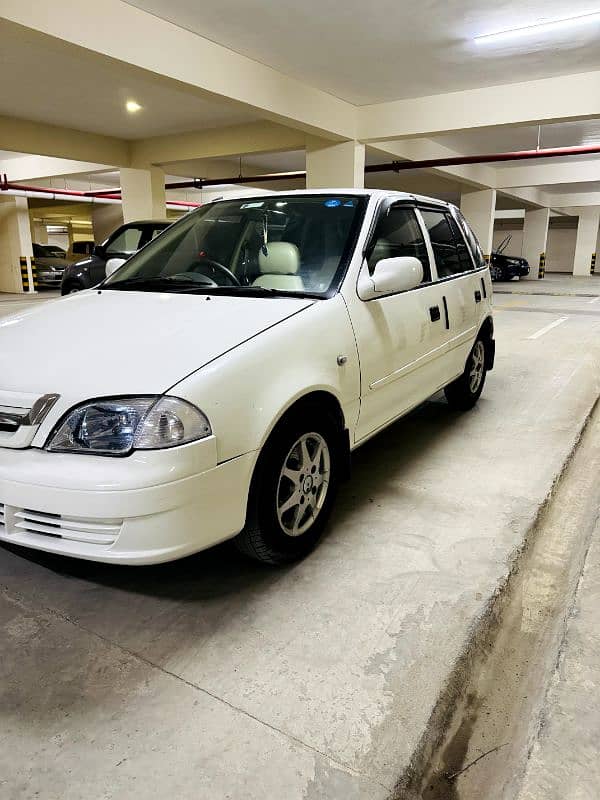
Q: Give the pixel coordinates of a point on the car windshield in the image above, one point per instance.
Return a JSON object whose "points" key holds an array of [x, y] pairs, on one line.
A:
{"points": [[45, 250], [275, 244]]}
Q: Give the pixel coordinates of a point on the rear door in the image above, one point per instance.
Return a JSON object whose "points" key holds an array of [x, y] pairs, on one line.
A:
{"points": [[459, 279]]}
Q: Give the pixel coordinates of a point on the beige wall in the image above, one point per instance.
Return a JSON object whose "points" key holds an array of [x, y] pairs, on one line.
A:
{"points": [[560, 249], [105, 219]]}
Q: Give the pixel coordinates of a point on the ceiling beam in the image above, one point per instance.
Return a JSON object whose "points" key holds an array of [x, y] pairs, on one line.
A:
{"points": [[192, 61], [549, 173], [574, 200], [232, 140], [24, 136], [28, 168], [558, 99]]}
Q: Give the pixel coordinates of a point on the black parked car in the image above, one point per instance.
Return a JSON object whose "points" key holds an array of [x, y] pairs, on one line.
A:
{"points": [[121, 244], [505, 268]]}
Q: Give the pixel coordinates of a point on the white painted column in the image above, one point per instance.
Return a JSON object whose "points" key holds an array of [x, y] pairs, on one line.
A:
{"points": [[15, 243], [587, 239], [143, 193], [535, 239], [331, 165], [479, 209], [105, 220], [39, 233]]}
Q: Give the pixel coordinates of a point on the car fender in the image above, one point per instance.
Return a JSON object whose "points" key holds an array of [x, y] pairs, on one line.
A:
{"points": [[245, 392]]}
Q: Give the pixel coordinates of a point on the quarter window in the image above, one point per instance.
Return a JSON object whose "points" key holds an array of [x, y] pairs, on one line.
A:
{"points": [[472, 241], [398, 233], [445, 248]]}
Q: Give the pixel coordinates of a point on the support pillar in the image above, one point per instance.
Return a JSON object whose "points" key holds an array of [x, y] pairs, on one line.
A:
{"points": [[332, 165], [587, 239], [143, 194], [39, 233], [15, 245], [535, 239], [479, 209]]}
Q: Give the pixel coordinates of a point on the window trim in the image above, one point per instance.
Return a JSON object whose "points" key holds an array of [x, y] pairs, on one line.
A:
{"points": [[417, 205]]}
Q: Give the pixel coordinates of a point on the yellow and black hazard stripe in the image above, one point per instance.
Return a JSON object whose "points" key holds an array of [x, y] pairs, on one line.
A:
{"points": [[542, 267], [593, 266], [25, 274]]}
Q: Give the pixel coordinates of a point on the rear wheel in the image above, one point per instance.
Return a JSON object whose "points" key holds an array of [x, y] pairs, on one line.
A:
{"points": [[464, 392], [292, 492]]}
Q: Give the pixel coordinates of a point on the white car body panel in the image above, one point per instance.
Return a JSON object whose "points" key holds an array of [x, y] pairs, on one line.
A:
{"points": [[243, 361]]}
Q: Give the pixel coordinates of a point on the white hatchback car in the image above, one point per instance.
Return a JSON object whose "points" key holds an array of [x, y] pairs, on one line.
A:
{"points": [[215, 385]]}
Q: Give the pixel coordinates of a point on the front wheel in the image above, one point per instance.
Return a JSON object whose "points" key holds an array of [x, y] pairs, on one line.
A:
{"points": [[464, 392], [292, 492]]}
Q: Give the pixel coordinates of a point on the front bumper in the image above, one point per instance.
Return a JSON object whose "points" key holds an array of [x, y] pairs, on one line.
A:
{"points": [[123, 511], [53, 279]]}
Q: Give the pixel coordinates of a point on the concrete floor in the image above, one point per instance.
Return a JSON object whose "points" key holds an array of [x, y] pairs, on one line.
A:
{"points": [[564, 762], [214, 677]]}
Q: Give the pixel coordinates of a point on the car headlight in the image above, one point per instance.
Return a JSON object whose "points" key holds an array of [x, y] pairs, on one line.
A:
{"points": [[118, 426]]}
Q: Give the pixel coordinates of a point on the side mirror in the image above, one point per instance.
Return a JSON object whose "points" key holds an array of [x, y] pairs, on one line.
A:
{"points": [[391, 276], [113, 264], [98, 251]]}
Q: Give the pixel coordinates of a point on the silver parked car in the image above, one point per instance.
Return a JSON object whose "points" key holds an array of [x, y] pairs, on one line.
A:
{"points": [[51, 262]]}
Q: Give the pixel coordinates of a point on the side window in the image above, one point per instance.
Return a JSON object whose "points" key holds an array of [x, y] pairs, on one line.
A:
{"points": [[444, 245], [472, 241], [463, 252], [128, 241], [398, 233]]}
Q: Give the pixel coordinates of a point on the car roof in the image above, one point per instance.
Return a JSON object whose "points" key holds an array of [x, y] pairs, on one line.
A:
{"points": [[376, 193]]}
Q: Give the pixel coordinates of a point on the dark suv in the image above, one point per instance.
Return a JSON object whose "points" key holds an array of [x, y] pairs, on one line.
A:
{"points": [[505, 268], [123, 243]]}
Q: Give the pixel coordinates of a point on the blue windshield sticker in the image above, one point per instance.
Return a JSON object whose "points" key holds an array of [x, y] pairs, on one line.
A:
{"points": [[333, 203]]}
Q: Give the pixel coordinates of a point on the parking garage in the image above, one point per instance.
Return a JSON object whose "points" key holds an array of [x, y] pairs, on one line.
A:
{"points": [[176, 618]]}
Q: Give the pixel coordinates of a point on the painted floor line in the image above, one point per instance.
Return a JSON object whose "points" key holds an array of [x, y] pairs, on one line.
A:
{"points": [[548, 328]]}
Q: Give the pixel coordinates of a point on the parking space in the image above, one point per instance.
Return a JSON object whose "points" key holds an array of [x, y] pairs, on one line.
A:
{"points": [[317, 680]]}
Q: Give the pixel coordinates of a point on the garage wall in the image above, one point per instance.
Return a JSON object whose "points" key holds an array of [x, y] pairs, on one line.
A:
{"points": [[560, 250]]}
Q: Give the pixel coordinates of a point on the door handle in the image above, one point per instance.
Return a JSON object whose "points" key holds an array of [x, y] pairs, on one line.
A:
{"points": [[478, 296], [434, 313]]}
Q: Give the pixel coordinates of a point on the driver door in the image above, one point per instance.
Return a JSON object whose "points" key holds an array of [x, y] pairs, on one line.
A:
{"points": [[399, 337]]}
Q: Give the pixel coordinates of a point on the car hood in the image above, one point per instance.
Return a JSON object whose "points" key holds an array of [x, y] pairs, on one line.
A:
{"points": [[94, 344], [50, 261]]}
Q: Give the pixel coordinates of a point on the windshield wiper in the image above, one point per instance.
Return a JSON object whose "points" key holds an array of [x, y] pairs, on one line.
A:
{"points": [[158, 281]]}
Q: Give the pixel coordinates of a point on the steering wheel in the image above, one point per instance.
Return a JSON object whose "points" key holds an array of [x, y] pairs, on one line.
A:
{"points": [[220, 268]]}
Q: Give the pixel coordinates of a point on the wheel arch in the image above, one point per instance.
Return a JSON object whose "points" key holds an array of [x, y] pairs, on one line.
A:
{"points": [[486, 332]]}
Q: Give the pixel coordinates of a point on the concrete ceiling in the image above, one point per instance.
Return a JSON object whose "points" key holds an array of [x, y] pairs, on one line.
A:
{"points": [[388, 50], [48, 81]]}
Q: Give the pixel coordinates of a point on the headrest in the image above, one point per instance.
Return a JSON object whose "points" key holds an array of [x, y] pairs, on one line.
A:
{"points": [[283, 258]]}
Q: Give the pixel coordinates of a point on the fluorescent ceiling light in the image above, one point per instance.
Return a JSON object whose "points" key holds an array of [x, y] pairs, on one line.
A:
{"points": [[539, 27], [132, 107]]}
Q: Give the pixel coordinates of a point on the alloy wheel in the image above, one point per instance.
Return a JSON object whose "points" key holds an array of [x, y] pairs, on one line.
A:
{"points": [[303, 484]]}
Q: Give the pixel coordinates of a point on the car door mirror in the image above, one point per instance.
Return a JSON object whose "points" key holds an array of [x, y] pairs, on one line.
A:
{"points": [[98, 251], [391, 276], [113, 264]]}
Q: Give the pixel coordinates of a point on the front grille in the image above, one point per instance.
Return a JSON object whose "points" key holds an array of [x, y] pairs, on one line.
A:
{"points": [[28, 522]]}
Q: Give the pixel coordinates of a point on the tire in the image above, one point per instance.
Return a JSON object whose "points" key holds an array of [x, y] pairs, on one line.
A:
{"points": [[299, 450], [497, 273], [463, 393]]}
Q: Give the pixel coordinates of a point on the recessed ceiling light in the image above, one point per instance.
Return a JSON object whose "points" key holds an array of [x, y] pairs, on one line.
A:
{"points": [[132, 107], [539, 27]]}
